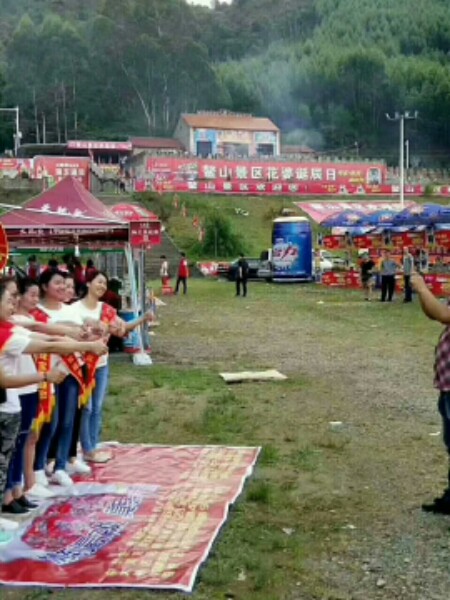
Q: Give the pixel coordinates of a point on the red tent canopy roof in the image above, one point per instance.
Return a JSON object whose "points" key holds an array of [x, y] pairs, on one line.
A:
{"points": [[68, 197], [133, 212]]}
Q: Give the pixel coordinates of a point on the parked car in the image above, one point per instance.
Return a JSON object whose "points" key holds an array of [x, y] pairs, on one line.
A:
{"points": [[325, 260], [254, 266], [330, 261]]}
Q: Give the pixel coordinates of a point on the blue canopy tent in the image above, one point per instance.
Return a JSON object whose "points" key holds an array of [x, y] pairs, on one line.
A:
{"points": [[345, 218], [425, 214], [380, 218]]}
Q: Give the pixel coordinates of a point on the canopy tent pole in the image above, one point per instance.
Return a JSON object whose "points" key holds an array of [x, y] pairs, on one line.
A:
{"points": [[141, 358]]}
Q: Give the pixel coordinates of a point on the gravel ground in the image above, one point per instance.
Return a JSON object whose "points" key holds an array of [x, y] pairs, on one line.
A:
{"points": [[375, 375]]}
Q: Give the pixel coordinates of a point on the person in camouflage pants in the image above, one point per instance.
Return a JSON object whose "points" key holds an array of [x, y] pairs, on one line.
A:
{"points": [[9, 428]]}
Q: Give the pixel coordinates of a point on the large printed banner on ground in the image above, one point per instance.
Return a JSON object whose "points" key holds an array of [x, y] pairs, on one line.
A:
{"points": [[146, 519]]}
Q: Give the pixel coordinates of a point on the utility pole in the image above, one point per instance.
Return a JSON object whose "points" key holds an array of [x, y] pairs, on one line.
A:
{"points": [[401, 117], [18, 135]]}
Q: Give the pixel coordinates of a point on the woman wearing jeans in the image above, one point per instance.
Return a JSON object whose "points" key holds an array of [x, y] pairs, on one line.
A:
{"points": [[15, 341], [52, 309], [100, 318]]}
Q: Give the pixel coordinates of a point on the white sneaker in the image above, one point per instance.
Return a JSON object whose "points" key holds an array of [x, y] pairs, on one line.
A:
{"points": [[60, 477], [78, 467], [40, 491], [41, 478], [8, 525], [49, 468]]}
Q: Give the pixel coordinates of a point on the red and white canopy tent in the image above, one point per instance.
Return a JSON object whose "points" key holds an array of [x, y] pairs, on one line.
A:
{"points": [[68, 215]]}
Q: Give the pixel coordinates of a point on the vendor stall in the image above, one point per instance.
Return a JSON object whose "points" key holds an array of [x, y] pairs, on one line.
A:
{"points": [[68, 218]]}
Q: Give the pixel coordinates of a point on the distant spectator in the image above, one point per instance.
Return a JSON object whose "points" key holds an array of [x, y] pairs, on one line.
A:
{"points": [[164, 270], [408, 268], [183, 274], [388, 269], [90, 268], [241, 276], [33, 268], [367, 266]]}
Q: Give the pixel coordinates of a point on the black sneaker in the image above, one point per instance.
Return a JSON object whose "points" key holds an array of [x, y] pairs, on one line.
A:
{"points": [[25, 503], [438, 506], [14, 508]]}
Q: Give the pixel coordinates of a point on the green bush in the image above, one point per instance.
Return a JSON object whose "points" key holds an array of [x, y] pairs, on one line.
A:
{"points": [[220, 239]]}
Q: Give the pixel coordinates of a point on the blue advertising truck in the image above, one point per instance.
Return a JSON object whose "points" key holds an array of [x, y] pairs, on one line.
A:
{"points": [[292, 249]]}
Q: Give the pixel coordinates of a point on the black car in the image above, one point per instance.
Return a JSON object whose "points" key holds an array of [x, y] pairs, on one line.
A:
{"points": [[254, 264]]}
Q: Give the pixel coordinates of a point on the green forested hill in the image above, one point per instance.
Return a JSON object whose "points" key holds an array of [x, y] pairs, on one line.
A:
{"points": [[326, 71]]}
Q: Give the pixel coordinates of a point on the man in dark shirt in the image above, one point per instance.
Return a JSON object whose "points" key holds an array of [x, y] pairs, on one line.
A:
{"points": [[437, 311], [367, 278], [241, 276]]}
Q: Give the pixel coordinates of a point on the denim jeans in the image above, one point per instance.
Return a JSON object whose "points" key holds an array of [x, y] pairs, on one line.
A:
{"points": [[46, 435], [9, 428], [91, 418], [68, 393], [29, 404]]}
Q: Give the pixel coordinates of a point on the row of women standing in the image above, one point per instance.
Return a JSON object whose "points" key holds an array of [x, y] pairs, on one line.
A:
{"points": [[53, 377]]}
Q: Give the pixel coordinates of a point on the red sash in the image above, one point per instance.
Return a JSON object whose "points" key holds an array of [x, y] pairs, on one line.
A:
{"points": [[6, 332], [46, 390], [71, 361], [108, 315]]}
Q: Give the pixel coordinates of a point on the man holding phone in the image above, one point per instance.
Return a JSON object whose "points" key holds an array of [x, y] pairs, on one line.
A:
{"points": [[437, 311]]}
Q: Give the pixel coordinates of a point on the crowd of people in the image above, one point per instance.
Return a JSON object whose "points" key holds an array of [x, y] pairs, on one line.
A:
{"points": [[386, 268], [54, 330]]}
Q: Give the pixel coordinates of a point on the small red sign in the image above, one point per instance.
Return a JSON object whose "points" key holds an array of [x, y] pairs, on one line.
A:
{"points": [[145, 234]]}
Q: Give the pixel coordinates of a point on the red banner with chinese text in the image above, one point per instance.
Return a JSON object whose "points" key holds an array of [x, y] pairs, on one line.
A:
{"points": [[146, 519], [408, 239], [271, 189], [145, 234], [368, 241], [190, 169], [56, 168], [334, 242], [345, 279]]}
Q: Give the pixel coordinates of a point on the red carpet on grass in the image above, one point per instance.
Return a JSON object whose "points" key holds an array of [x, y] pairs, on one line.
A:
{"points": [[147, 519]]}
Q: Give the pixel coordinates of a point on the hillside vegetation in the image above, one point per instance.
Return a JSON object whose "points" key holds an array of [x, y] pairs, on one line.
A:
{"points": [[326, 71]]}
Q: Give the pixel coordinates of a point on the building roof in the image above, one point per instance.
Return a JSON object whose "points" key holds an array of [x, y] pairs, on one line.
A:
{"points": [[291, 149], [156, 143], [229, 121]]}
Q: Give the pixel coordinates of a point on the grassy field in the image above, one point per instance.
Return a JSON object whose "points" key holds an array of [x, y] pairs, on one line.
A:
{"points": [[332, 511]]}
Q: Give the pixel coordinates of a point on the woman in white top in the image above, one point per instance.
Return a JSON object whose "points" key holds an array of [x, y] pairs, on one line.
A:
{"points": [[22, 463], [15, 341], [52, 309], [98, 314]]}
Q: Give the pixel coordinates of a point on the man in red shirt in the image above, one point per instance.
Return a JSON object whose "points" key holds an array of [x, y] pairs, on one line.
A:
{"points": [[183, 274]]}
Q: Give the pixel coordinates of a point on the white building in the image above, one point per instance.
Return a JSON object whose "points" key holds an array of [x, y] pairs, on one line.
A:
{"points": [[228, 135]]}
